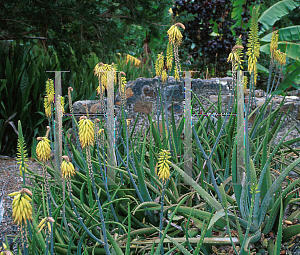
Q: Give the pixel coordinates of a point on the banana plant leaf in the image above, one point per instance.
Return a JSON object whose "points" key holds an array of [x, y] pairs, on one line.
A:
{"points": [[291, 49], [291, 33], [276, 12]]}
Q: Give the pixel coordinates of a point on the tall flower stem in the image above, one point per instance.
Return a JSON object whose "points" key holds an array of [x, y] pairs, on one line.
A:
{"points": [[91, 175], [167, 118], [105, 183], [161, 215], [47, 187], [24, 238], [88, 173]]}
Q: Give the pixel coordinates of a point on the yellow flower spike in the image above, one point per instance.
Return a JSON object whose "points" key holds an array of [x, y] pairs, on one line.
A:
{"points": [[86, 131], [236, 54], [282, 58], [174, 33], [67, 168], [22, 155], [159, 64], [123, 84], [101, 70], [164, 165], [22, 209], [164, 76], [245, 82], [134, 60], [176, 74], [50, 90], [62, 104], [43, 149], [253, 44], [169, 56], [47, 107], [274, 42]]}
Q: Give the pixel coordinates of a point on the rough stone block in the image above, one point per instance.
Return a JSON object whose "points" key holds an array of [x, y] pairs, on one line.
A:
{"points": [[149, 91], [143, 107], [213, 98], [96, 108], [129, 92], [286, 107], [79, 106]]}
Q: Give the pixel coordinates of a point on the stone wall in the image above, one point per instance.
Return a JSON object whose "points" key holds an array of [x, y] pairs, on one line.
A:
{"points": [[142, 101], [142, 95]]}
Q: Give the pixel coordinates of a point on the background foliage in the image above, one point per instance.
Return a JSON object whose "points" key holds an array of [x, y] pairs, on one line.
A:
{"points": [[75, 35]]}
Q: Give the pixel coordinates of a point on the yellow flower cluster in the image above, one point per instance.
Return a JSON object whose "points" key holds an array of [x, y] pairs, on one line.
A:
{"points": [[43, 223], [176, 74], [22, 155], [67, 168], [133, 60], [47, 106], [235, 57], [123, 84], [245, 82], [169, 56], [174, 33], [159, 64], [50, 90], [49, 98], [280, 57], [86, 131], [274, 41], [164, 165], [62, 104], [164, 76], [101, 70], [253, 44], [43, 149], [22, 209]]}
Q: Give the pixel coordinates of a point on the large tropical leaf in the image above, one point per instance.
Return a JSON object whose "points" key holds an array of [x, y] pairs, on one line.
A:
{"points": [[288, 80], [285, 34], [291, 49], [276, 12]]}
